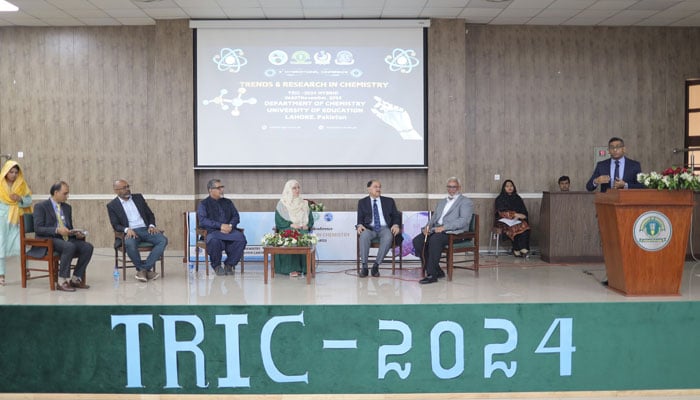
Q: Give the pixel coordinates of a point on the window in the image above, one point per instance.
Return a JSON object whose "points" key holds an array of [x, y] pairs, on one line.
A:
{"points": [[692, 124]]}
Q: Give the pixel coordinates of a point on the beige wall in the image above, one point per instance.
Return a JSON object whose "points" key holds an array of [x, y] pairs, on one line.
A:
{"points": [[88, 105]]}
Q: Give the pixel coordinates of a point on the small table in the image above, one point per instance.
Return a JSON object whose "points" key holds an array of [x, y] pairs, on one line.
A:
{"points": [[310, 253]]}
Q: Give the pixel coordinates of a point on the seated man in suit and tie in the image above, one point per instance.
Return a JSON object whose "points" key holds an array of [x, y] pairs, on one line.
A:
{"points": [[129, 213], [617, 172], [453, 214], [377, 217], [53, 218]]}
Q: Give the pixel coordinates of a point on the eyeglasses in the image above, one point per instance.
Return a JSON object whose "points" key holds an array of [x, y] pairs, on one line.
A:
{"points": [[452, 187], [218, 188], [123, 187], [611, 148]]}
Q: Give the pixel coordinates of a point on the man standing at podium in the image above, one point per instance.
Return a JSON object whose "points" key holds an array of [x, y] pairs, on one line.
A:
{"points": [[617, 172]]}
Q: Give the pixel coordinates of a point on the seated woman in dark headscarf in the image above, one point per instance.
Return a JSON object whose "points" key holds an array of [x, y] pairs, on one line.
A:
{"points": [[511, 218]]}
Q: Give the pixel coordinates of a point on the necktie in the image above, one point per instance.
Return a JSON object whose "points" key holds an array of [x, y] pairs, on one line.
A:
{"points": [[617, 169], [375, 216], [60, 219]]}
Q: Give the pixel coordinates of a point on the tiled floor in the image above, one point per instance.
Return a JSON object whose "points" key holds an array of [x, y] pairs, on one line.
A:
{"points": [[505, 279], [501, 280]]}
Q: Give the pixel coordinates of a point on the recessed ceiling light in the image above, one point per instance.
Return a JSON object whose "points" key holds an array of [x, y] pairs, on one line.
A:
{"points": [[7, 6]]}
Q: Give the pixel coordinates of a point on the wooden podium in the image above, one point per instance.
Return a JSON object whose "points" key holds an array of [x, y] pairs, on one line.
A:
{"points": [[644, 235]]}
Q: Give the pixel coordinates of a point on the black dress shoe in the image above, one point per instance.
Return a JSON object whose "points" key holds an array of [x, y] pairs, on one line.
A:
{"points": [[604, 283], [79, 284], [65, 287], [364, 272], [440, 274], [375, 270], [427, 279]]}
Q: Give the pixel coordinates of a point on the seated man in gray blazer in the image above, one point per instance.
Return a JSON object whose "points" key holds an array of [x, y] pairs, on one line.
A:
{"points": [[452, 215]]}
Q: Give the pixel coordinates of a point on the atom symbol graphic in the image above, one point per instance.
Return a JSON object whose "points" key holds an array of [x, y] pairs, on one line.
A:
{"points": [[230, 60], [402, 60]]}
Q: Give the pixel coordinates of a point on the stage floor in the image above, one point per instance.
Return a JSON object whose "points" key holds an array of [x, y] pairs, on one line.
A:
{"points": [[505, 279]]}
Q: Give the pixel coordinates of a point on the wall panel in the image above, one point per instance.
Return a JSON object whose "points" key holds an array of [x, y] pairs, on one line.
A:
{"points": [[90, 104]]}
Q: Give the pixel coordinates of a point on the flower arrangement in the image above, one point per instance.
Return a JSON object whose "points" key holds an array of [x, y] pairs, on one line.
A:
{"points": [[316, 207], [670, 179], [289, 238]]}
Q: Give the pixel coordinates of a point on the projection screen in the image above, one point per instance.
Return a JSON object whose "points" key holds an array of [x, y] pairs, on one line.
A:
{"points": [[310, 94]]}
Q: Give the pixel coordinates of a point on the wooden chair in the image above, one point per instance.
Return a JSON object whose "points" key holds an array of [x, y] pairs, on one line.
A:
{"points": [[463, 243], [120, 247], [52, 257], [374, 244], [202, 244]]}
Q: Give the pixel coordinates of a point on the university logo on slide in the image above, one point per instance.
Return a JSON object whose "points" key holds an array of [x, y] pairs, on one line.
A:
{"points": [[652, 231]]}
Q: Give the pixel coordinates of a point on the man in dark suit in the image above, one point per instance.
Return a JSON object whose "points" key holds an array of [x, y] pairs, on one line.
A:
{"points": [[129, 213], [453, 214], [617, 172], [377, 217], [53, 218]]}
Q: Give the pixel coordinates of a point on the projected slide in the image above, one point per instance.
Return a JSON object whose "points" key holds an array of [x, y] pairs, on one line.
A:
{"points": [[310, 97]]}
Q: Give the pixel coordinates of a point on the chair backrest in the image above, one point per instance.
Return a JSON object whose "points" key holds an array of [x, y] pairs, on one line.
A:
{"points": [[474, 223], [200, 232], [26, 224]]}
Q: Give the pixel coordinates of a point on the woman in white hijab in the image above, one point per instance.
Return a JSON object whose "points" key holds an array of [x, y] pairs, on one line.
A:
{"points": [[292, 212]]}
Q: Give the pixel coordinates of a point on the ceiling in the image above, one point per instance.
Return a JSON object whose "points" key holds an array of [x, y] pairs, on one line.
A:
{"points": [[493, 12]]}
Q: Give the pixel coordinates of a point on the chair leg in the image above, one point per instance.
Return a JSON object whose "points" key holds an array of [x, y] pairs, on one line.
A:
{"points": [[450, 265], [24, 271], [492, 236], [53, 274], [206, 261], [196, 259], [498, 237], [357, 258], [393, 260], [123, 262]]}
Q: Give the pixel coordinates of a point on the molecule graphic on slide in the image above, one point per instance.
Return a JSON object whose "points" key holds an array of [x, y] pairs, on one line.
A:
{"points": [[230, 60], [236, 101], [402, 60]]}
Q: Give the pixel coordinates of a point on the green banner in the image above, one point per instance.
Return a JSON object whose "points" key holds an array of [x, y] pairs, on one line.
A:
{"points": [[350, 348]]}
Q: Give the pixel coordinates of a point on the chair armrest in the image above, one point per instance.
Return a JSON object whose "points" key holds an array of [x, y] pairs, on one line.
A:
{"points": [[201, 233]]}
